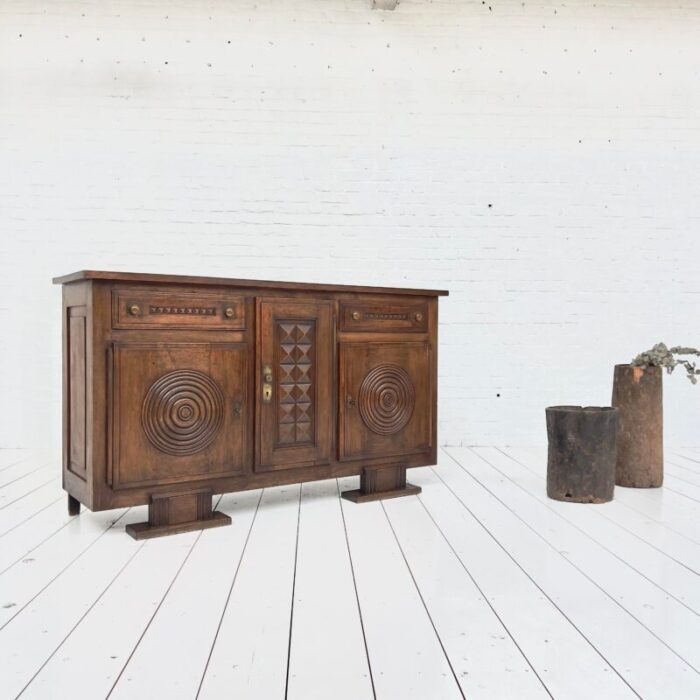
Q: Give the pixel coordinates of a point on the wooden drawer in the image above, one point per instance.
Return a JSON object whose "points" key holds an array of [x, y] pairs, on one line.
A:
{"points": [[133, 308], [383, 317]]}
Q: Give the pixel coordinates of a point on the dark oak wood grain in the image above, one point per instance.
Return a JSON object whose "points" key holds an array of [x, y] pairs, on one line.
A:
{"points": [[233, 282], [179, 387]]}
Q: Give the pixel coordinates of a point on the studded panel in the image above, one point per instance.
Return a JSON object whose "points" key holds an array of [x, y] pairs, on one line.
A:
{"points": [[296, 345]]}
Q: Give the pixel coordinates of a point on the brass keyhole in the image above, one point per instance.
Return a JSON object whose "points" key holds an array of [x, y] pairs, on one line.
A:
{"points": [[267, 384]]}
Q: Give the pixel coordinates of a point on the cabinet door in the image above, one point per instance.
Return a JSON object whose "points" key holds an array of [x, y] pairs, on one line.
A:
{"points": [[385, 399], [294, 384], [179, 412]]}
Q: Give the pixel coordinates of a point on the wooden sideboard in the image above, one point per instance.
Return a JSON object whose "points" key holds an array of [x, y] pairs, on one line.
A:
{"points": [[176, 388]]}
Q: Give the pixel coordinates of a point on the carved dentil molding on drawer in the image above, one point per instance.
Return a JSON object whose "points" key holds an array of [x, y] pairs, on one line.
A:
{"points": [[386, 399], [183, 412]]}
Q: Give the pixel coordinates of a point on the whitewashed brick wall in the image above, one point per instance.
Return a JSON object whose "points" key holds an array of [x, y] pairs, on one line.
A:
{"points": [[539, 159]]}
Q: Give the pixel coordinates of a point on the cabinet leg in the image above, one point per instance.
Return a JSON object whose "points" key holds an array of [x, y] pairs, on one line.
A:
{"points": [[172, 513], [73, 505], [381, 482]]}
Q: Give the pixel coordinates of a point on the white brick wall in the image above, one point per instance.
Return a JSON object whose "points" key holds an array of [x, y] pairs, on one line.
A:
{"points": [[539, 159]]}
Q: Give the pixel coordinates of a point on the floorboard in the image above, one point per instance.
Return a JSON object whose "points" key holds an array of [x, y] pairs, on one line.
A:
{"points": [[328, 658], [250, 653], [170, 658], [479, 587], [667, 540], [408, 659], [100, 644], [651, 664], [475, 638], [640, 558]]}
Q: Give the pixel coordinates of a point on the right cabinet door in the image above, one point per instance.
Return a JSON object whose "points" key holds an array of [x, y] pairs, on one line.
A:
{"points": [[385, 399]]}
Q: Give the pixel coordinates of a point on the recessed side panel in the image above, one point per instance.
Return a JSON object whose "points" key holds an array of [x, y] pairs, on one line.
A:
{"points": [[385, 406], [77, 390], [179, 412]]}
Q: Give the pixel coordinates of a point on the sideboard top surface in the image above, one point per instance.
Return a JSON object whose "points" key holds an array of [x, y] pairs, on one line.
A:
{"points": [[228, 282]]}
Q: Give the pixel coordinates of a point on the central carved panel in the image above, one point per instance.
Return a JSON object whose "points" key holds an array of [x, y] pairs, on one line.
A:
{"points": [[296, 372], [386, 399], [183, 411]]}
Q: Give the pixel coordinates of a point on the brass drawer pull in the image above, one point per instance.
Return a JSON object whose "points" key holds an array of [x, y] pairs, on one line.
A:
{"points": [[134, 309], [419, 317], [356, 315], [229, 312]]}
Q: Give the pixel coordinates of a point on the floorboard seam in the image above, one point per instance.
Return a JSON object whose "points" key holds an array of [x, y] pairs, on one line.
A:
{"points": [[515, 561], [585, 534], [158, 607], [228, 597], [614, 522], [294, 587], [581, 571], [485, 597], [422, 600], [357, 595], [65, 568]]}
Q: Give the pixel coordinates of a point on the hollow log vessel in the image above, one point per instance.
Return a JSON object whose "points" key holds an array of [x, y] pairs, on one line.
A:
{"points": [[638, 395], [581, 456]]}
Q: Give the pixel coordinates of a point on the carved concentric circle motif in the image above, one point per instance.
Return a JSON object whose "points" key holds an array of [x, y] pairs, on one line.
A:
{"points": [[386, 399], [183, 411]]}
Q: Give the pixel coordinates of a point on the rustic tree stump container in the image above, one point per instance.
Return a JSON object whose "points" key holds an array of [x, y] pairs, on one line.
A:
{"points": [[582, 453], [638, 395]]}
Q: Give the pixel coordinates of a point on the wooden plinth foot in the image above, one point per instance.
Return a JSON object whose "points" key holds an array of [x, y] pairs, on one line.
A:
{"points": [[376, 484], [173, 513], [73, 505]]}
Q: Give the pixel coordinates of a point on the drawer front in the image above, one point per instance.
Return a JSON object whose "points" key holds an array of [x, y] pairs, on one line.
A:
{"points": [[195, 311], [381, 317]]}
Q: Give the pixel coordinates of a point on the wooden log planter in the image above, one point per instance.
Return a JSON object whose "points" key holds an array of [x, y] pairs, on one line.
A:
{"points": [[638, 395], [582, 453]]}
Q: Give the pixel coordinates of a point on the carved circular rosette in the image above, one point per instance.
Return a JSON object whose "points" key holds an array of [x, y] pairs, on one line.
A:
{"points": [[183, 411], [386, 399]]}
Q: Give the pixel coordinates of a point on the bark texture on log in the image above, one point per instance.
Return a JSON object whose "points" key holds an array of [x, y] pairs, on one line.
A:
{"points": [[638, 394], [582, 451]]}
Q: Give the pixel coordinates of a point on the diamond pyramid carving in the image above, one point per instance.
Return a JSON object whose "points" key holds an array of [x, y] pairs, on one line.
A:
{"points": [[296, 351]]}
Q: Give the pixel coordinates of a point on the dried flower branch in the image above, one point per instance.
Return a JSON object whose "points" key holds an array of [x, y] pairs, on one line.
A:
{"points": [[661, 356]]}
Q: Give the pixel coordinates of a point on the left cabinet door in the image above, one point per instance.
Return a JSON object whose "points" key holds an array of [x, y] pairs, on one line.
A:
{"points": [[179, 412]]}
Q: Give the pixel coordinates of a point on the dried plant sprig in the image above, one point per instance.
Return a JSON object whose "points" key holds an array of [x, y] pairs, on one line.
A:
{"points": [[661, 356]]}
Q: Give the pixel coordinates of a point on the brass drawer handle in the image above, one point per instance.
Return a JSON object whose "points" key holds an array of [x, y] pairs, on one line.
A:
{"points": [[134, 310], [356, 315], [229, 312], [419, 317]]}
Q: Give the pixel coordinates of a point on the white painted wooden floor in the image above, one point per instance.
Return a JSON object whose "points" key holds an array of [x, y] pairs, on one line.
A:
{"points": [[480, 587]]}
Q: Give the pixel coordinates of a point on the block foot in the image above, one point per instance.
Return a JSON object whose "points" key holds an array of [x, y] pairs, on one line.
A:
{"points": [[173, 513], [377, 484]]}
